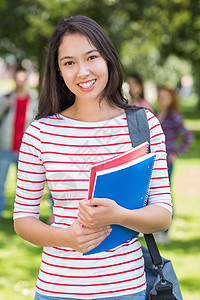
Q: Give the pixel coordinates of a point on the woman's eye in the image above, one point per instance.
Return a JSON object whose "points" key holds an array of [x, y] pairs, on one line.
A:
{"points": [[68, 63], [92, 57]]}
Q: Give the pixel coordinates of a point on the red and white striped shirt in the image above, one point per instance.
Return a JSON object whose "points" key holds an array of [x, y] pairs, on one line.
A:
{"points": [[60, 150]]}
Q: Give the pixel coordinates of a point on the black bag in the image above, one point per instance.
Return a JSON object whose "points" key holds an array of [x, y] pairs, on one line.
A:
{"points": [[162, 283]]}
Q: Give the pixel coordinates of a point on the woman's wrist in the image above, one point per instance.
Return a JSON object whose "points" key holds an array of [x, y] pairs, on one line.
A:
{"points": [[121, 216]]}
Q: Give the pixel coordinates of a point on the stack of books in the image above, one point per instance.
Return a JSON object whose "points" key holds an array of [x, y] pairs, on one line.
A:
{"points": [[125, 179]]}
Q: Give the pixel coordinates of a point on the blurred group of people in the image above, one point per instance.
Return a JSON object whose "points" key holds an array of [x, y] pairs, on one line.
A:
{"points": [[18, 109], [177, 137]]}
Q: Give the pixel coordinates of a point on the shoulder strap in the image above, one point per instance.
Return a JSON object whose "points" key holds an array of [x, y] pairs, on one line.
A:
{"points": [[138, 126], [139, 133]]}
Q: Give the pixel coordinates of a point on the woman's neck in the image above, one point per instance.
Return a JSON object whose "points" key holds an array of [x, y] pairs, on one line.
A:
{"points": [[136, 97], [92, 111], [20, 91]]}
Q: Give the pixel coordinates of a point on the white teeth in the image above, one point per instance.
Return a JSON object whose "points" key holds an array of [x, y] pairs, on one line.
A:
{"points": [[87, 84]]}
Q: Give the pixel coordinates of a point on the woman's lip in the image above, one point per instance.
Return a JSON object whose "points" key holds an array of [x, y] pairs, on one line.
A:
{"points": [[87, 85]]}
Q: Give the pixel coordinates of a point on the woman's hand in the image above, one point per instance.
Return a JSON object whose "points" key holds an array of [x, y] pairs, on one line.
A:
{"points": [[98, 212], [76, 236], [85, 239]]}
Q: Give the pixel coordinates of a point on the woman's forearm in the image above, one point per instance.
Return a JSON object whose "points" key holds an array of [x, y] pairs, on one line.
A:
{"points": [[39, 233], [76, 236]]}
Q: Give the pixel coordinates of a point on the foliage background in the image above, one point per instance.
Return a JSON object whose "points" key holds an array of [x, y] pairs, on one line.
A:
{"points": [[158, 38]]}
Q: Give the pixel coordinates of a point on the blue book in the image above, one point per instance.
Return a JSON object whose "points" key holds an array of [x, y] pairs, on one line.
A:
{"points": [[128, 185]]}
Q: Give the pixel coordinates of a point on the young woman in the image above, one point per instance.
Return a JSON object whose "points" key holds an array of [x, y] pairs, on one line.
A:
{"points": [[178, 138], [137, 91], [82, 120]]}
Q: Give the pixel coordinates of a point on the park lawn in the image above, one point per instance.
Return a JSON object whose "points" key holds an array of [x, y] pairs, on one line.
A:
{"points": [[19, 260], [184, 251]]}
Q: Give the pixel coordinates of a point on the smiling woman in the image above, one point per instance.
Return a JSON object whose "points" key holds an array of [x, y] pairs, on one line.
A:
{"points": [[81, 121]]}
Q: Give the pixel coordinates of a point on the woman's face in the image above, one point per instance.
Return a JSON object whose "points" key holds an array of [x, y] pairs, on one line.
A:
{"points": [[135, 87], [82, 67], [164, 99], [20, 79]]}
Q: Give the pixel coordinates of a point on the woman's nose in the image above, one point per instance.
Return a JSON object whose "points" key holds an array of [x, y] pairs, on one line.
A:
{"points": [[83, 70]]}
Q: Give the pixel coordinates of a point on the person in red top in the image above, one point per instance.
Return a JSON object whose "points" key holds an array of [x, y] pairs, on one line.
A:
{"points": [[21, 102], [17, 111]]}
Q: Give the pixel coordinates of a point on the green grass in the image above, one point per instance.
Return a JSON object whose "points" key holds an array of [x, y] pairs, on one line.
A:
{"points": [[20, 261], [184, 251]]}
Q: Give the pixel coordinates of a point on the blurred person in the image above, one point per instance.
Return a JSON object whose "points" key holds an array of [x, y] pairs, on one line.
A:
{"points": [[82, 120], [17, 111], [137, 91], [177, 137]]}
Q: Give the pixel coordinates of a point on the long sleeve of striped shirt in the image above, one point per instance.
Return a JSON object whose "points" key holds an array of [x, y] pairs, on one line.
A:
{"points": [[60, 151], [178, 137], [31, 175]]}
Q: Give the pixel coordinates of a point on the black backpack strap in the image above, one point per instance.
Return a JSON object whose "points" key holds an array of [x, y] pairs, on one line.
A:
{"points": [[139, 133], [138, 126], [153, 251]]}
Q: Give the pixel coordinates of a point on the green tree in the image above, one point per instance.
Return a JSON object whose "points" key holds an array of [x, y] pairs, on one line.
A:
{"points": [[146, 33], [180, 25]]}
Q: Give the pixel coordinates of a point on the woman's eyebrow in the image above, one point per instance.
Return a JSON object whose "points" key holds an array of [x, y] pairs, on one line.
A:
{"points": [[66, 57], [91, 51], [71, 57]]}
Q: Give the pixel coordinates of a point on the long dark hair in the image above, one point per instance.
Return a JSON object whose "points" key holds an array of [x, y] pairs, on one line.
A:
{"points": [[55, 95]]}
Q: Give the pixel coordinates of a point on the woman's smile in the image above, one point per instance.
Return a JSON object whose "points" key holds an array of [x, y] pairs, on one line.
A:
{"points": [[88, 85]]}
